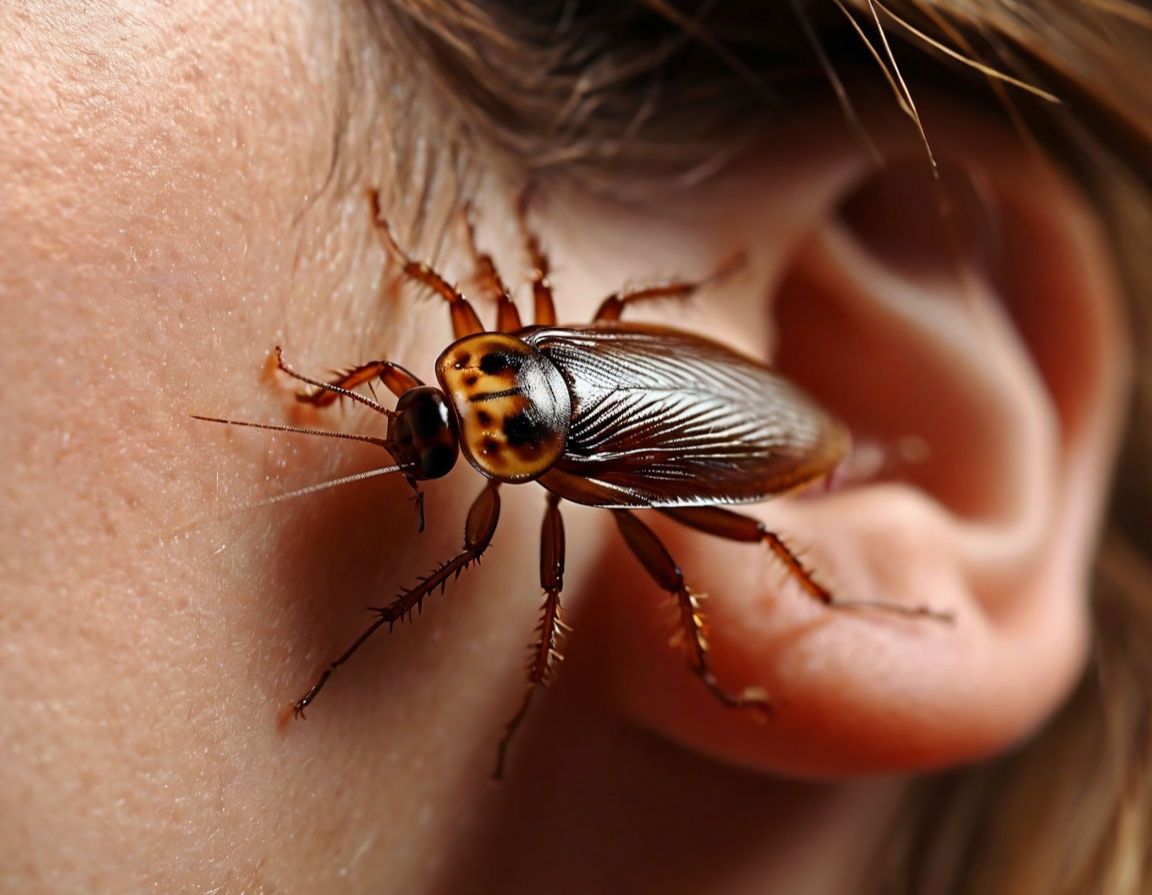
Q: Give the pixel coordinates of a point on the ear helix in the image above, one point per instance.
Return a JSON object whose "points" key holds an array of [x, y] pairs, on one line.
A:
{"points": [[958, 351]]}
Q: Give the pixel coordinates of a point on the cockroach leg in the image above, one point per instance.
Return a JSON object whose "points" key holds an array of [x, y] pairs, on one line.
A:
{"points": [[660, 565], [328, 392], [465, 322], [613, 306], [396, 378], [478, 531], [507, 317], [544, 305], [545, 653], [733, 526]]}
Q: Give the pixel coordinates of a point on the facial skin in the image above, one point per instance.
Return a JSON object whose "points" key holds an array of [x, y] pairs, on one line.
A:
{"points": [[166, 223]]}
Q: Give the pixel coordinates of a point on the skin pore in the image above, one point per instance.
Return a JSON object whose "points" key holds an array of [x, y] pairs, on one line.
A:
{"points": [[170, 217]]}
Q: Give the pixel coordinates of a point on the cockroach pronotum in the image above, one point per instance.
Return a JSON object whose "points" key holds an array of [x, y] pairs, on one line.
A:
{"points": [[623, 416]]}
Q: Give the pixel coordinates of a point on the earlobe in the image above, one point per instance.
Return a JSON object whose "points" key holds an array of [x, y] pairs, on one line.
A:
{"points": [[1001, 362]]}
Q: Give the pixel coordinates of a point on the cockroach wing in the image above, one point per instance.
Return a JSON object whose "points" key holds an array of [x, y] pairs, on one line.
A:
{"points": [[662, 418]]}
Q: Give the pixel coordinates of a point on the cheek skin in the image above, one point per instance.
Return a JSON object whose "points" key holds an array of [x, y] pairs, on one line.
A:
{"points": [[164, 212]]}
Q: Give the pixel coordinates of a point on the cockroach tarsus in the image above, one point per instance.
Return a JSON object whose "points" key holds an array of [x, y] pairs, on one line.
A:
{"points": [[609, 414]]}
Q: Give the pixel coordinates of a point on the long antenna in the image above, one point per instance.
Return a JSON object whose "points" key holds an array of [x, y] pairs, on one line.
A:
{"points": [[322, 486], [310, 489], [301, 430]]}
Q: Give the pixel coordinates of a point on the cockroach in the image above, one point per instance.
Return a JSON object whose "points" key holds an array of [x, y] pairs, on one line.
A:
{"points": [[611, 414]]}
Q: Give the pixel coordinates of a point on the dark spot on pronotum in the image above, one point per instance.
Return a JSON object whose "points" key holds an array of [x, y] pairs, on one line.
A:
{"points": [[497, 362], [489, 446], [471, 380], [521, 429], [483, 417], [462, 360], [493, 363]]}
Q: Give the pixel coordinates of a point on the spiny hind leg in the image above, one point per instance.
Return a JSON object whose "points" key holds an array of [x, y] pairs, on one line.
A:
{"points": [[733, 526], [545, 652], [478, 531], [660, 565]]}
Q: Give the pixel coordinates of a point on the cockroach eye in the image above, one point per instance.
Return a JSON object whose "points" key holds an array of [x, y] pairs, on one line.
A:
{"points": [[424, 433]]}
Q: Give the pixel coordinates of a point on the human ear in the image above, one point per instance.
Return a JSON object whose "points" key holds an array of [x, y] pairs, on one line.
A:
{"points": [[987, 336]]}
